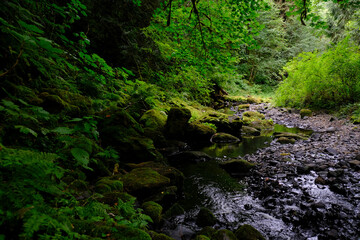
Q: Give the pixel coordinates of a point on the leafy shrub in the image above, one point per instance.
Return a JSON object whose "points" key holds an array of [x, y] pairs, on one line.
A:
{"points": [[322, 80]]}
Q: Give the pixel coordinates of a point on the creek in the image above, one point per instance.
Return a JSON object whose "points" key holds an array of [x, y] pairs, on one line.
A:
{"points": [[278, 198]]}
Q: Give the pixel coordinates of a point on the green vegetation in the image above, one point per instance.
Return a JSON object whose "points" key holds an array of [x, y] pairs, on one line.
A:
{"points": [[86, 88]]}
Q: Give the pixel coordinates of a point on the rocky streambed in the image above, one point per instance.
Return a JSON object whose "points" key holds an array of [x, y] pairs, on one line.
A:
{"points": [[308, 189]]}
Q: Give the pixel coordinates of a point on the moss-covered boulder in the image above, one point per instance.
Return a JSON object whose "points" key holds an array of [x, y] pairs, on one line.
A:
{"points": [[224, 234], [175, 210], [153, 210], [188, 156], [177, 123], [113, 197], [120, 130], [248, 232], [223, 122], [250, 116], [176, 177], [159, 236], [224, 138], [250, 131], [260, 125], [107, 185], [201, 237], [129, 233], [142, 182], [305, 113], [154, 119], [237, 166], [205, 218], [243, 106], [198, 133], [57, 100], [166, 197], [207, 231], [286, 140]]}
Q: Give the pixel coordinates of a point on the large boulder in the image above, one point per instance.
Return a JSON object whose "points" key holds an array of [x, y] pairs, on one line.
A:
{"points": [[223, 122], [257, 120], [177, 123], [250, 131], [205, 218], [237, 166], [120, 130], [224, 234], [224, 138], [188, 156], [248, 232], [153, 210], [142, 182], [198, 133], [154, 119]]}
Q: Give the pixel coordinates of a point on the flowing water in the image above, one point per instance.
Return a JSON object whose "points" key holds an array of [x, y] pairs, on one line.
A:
{"points": [[208, 185]]}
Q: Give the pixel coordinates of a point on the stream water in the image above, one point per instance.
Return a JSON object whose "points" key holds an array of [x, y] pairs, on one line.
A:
{"points": [[232, 200]]}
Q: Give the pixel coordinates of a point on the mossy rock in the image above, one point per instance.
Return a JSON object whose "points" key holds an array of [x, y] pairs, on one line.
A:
{"points": [[253, 100], [166, 197], [129, 233], [235, 99], [224, 138], [58, 100], [199, 133], [176, 177], [118, 129], [237, 166], [157, 136], [285, 140], [79, 185], [143, 182], [177, 122], [159, 236], [243, 106], [106, 184], [174, 210], [153, 210], [220, 120], [260, 125], [305, 113], [251, 116], [289, 135], [113, 197], [207, 231], [154, 119], [90, 228], [224, 234], [248, 232], [205, 218], [201, 237], [250, 131]]}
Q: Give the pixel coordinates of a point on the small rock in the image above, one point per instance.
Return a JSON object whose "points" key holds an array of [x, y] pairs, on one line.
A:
{"points": [[355, 164], [331, 151], [305, 113], [285, 140], [320, 180]]}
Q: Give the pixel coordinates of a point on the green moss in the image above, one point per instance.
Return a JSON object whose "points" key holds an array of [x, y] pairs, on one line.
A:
{"points": [[144, 181], [252, 116], [285, 140], [237, 166], [305, 113], [205, 218], [153, 209], [248, 232], [129, 233], [224, 234], [207, 231], [177, 121], [224, 138], [174, 210], [113, 197], [262, 124], [198, 132], [107, 185], [243, 106], [154, 119], [239, 99], [159, 236], [91, 228], [201, 237]]}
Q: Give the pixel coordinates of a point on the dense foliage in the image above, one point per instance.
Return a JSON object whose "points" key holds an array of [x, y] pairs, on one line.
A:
{"points": [[322, 80]]}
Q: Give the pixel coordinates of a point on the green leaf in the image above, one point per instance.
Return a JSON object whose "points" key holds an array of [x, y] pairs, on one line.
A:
{"points": [[63, 130], [30, 27], [26, 130], [81, 156]]}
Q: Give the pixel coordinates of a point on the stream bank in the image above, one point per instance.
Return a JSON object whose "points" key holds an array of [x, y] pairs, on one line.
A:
{"points": [[306, 190]]}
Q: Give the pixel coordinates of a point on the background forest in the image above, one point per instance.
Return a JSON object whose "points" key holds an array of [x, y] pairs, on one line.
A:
{"points": [[70, 69]]}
